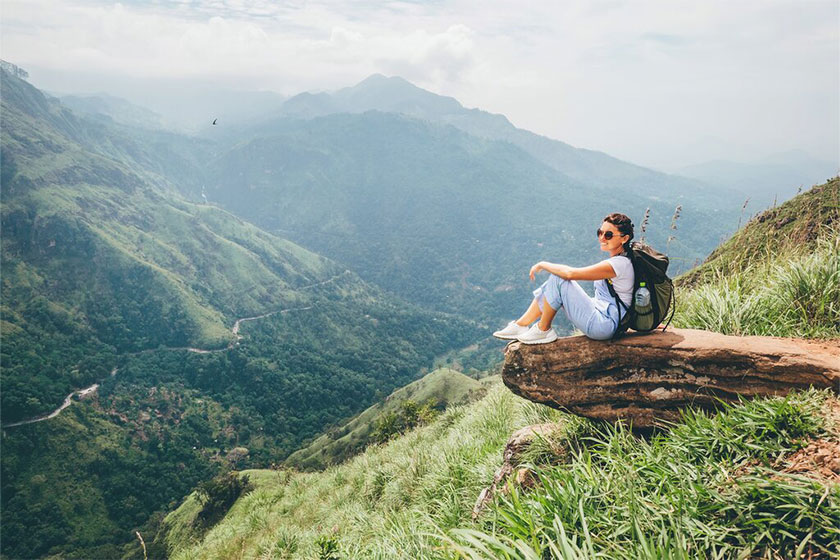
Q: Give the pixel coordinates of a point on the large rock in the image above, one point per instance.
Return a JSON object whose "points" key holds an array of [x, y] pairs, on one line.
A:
{"points": [[515, 448], [643, 378]]}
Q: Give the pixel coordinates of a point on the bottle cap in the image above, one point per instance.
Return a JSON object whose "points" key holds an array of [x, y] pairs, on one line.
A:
{"points": [[641, 284]]}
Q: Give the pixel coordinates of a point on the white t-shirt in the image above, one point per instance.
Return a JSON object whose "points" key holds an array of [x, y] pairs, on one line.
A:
{"points": [[622, 282]]}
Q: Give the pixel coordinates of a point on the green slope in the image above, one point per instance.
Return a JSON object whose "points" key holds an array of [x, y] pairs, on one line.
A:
{"points": [[412, 498], [793, 228], [92, 253], [371, 497], [778, 276], [442, 388]]}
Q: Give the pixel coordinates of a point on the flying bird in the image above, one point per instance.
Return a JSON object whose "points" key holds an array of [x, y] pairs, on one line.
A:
{"points": [[214, 121]]}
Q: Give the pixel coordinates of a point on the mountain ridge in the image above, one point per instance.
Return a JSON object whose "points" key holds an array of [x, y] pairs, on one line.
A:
{"points": [[454, 202], [389, 94]]}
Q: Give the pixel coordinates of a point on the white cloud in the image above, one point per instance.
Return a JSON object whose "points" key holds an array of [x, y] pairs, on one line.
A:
{"points": [[644, 80], [430, 59]]}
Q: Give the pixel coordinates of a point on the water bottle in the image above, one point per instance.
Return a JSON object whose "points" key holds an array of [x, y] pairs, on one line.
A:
{"points": [[642, 296], [644, 310]]}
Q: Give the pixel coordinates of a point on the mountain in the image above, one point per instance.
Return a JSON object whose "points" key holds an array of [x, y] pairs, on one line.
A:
{"points": [[438, 216], [202, 341], [766, 182], [377, 93], [65, 208], [396, 95], [114, 108]]}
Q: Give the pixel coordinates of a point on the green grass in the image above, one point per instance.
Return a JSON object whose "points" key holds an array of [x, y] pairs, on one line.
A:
{"points": [[778, 276], [712, 487], [796, 296], [385, 503]]}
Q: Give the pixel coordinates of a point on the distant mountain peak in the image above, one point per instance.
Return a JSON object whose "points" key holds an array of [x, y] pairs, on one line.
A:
{"points": [[393, 83], [379, 79]]}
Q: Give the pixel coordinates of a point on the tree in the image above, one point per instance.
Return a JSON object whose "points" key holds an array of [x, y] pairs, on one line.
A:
{"points": [[219, 494]]}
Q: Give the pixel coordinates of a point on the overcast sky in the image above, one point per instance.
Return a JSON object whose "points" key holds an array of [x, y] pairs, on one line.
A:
{"points": [[659, 83]]}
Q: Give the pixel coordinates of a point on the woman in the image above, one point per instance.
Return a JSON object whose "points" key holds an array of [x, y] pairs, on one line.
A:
{"points": [[596, 317]]}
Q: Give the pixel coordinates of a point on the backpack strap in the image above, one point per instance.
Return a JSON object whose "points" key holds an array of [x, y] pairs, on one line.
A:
{"points": [[619, 304], [673, 306]]}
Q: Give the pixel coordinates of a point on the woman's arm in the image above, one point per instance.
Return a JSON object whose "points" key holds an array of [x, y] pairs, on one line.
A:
{"points": [[599, 271]]}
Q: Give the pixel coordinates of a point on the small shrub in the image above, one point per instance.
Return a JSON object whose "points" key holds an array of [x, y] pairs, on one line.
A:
{"points": [[410, 415], [285, 545], [219, 494], [327, 547]]}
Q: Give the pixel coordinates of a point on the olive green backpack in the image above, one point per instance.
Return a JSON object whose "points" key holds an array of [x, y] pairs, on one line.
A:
{"points": [[649, 267]]}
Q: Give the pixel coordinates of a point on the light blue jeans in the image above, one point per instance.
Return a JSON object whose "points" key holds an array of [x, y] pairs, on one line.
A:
{"points": [[596, 318]]}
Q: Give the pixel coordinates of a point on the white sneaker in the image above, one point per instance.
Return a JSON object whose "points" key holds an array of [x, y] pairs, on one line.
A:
{"points": [[536, 336], [511, 331]]}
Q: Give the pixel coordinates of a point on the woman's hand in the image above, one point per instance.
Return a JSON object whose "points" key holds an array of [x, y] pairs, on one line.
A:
{"points": [[534, 269]]}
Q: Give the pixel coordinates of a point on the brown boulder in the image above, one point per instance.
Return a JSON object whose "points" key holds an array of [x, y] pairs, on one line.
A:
{"points": [[516, 446], [646, 378]]}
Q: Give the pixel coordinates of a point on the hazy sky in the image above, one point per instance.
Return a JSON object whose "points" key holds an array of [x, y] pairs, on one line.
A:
{"points": [[659, 83]]}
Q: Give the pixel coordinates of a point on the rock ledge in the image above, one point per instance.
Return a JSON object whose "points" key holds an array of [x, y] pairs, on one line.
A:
{"points": [[648, 378]]}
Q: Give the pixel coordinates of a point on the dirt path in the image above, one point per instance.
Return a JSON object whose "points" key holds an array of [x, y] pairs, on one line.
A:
{"points": [[82, 393]]}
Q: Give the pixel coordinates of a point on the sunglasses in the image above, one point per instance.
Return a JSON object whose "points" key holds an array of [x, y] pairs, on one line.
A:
{"points": [[607, 234]]}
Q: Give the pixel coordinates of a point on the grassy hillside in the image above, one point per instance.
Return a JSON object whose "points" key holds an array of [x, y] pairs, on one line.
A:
{"points": [[384, 497], [441, 389], [793, 228], [710, 488], [756, 480], [779, 275]]}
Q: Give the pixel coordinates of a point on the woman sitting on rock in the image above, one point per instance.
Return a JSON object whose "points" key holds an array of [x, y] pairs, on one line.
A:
{"points": [[596, 317]]}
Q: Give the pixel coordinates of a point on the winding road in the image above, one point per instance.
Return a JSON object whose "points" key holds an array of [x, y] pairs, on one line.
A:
{"points": [[68, 400]]}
